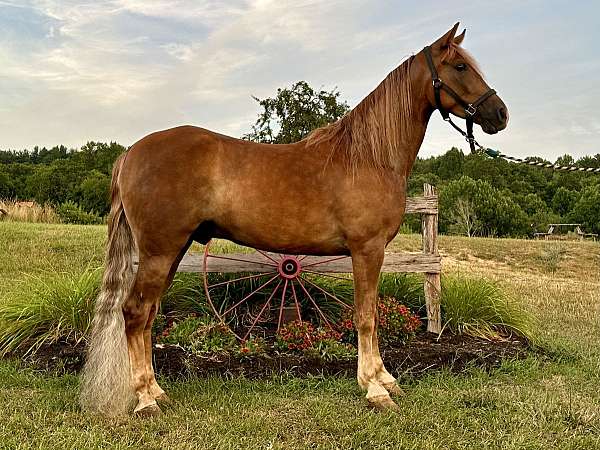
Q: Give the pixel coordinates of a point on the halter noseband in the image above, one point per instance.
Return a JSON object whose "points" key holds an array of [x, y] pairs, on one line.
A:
{"points": [[470, 108]]}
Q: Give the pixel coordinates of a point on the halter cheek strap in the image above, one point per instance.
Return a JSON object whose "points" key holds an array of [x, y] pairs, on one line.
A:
{"points": [[470, 108]]}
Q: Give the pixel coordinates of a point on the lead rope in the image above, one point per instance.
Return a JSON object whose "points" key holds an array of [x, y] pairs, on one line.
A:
{"points": [[490, 152], [497, 154]]}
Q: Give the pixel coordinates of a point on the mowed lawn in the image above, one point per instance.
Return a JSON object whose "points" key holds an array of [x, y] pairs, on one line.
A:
{"points": [[549, 400]]}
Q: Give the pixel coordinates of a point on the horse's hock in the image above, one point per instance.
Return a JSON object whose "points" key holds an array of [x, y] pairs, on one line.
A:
{"points": [[284, 273]]}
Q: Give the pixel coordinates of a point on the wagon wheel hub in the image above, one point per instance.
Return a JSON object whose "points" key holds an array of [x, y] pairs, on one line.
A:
{"points": [[289, 267]]}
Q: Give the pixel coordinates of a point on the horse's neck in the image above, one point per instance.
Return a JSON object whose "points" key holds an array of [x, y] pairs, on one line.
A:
{"points": [[419, 116]]}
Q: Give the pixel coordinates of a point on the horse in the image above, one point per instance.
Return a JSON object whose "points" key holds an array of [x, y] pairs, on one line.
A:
{"points": [[339, 191]]}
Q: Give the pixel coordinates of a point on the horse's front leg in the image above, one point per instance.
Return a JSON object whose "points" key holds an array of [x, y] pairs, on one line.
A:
{"points": [[366, 264]]}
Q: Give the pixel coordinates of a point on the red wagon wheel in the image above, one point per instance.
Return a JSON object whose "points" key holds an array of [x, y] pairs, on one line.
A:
{"points": [[269, 289]]}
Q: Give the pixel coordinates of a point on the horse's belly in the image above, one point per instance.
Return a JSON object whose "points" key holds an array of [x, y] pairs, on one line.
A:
{"points": [[284, 231]]}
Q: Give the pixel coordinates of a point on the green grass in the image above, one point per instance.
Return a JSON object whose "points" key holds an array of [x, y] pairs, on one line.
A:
{"points": [[549, 400]]}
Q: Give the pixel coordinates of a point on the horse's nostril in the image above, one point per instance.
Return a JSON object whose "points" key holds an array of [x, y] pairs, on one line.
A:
{"points": [[502, 114]]}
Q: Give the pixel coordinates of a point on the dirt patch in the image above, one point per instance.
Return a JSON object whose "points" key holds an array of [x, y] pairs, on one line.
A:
{"points": [[422, 354]]}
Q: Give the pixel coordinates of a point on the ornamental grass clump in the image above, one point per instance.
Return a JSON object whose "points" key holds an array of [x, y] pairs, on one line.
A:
{"points": [[480, 308], [47, 309]]}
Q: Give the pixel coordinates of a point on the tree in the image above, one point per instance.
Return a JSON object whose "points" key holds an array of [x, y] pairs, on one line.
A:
{"points": [[564, 200], [94, 192], [294, 112], [565, 160], [496, 212], [56, 182], [7, 189], [587, 209], [464, 218], [450, 164]]}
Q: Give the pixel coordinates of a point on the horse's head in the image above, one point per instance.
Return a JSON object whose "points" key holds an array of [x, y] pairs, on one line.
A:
{"points": [[461, 86]]}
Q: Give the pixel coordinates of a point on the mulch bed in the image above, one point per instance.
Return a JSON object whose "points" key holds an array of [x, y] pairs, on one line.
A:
{"points": [[422, 354]]}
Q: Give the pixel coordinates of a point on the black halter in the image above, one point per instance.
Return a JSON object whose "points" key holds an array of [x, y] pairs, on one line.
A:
{"points": [[470, 108]]}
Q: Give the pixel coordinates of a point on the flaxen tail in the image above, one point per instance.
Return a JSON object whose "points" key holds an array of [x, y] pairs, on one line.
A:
{"points": [[106, 382]]}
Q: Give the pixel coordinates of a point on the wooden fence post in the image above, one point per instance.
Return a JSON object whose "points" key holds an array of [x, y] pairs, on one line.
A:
{"points": [[433, 285]]}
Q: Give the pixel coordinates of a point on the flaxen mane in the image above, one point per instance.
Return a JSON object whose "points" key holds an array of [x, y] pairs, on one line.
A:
{"points": [[374, 132]]}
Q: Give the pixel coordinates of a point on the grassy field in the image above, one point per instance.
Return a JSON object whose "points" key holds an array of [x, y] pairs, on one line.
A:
{"points": [[548, 400]]}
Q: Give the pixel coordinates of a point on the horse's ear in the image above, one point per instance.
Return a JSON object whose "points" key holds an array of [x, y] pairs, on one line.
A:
{"points": [[446, 40], [461, 37]]}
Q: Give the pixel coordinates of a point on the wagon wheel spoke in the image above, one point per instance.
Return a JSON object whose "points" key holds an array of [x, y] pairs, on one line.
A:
{"points": [[258, 275], [242, 260], [282, 302], [313, 302], [266, 255], [329, 294], [267, 303], [296, 302], [249, 295], [325, 261]]}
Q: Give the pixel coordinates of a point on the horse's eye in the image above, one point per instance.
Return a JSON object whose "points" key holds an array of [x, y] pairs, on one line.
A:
{"points": [[461, 67]]}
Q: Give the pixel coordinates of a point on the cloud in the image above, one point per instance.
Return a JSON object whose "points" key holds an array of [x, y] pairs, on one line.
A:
{"points": [[119, 69]]}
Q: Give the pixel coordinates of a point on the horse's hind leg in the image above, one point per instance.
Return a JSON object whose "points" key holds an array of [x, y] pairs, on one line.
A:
{"points": [[155, 390], [139, 311]]}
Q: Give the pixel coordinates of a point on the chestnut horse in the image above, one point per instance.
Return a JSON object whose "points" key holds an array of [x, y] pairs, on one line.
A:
{"points": [[341, 191]]}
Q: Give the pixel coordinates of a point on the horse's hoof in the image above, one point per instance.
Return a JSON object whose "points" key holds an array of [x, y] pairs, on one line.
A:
{"points": [[393, 388], [164, 399], [149, 411], [383, 403]]}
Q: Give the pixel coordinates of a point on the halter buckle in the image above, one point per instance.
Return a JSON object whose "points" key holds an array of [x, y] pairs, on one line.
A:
{"points": [[470, 109], [437, 83]]}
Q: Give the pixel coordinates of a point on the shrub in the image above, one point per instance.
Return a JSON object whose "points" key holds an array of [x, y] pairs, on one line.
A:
{"points": [[322, 343], [253, 346], [478, 307], [299, 335], [47, 310], [180, 332], [199, 335], [331, 350], [70, 212], [396, 322], [94, 192], [213, 337]]}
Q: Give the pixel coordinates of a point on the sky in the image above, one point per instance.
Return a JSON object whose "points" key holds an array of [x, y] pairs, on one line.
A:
{"points": [[74, 71]]}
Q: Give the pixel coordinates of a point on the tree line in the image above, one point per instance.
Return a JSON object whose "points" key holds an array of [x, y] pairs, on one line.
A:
{"points": [[479, 196]]}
